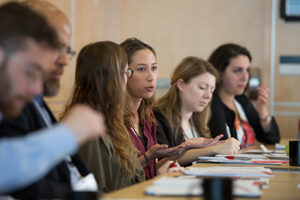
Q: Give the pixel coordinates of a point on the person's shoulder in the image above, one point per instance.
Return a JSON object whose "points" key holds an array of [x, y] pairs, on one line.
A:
{"points": [[158, 114], [216, 101], [20, 125], [106, 140]]}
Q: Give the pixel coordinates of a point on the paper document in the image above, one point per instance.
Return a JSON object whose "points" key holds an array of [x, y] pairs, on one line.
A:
{"points": [[280, 146], [278, 156], [176, 186], [222, 171], [244, 156], [259, 151], [241, 159]]}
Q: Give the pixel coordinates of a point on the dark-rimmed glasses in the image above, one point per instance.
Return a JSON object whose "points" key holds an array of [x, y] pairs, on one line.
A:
{"points": [[129, 73], [68, 52]]}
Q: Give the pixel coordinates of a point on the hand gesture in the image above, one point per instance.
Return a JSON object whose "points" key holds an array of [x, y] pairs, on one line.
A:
{"points": [[201, 142], [162, 150], [178, 151], [262, 100], [230, 146], [85, 123]]}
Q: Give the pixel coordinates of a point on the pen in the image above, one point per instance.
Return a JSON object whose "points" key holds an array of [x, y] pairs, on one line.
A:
{"points": [[237, 158], [173, 164], [227, 131], [264, 148]]}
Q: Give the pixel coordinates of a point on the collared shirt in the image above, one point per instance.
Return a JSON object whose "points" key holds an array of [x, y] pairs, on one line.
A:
{"points": [[38, 152], [40, 106]]}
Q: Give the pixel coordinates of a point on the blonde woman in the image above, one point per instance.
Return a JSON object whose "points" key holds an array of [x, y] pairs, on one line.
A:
{"points": [[182, 113]]}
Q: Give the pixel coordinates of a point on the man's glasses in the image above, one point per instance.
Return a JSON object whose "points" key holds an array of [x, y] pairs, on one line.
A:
{"points": [[68, 52], [129, 73]]}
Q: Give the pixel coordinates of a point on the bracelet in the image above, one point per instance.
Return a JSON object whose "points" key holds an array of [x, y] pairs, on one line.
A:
{"points": [[266, 118], [146, 159]]}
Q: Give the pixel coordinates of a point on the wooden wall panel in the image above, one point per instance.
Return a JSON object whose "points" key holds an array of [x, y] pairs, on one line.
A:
{"points": [[287, 86], [288, 126], [181, 28]]}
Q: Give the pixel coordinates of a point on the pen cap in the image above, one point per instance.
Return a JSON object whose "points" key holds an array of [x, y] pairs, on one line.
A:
{"points": [[294, 151], [217, 188]]}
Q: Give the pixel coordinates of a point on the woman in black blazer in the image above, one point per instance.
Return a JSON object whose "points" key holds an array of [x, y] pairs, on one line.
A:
{"points": [[231, 106]]}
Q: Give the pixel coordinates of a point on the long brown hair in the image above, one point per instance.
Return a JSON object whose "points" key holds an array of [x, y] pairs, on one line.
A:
{"points": [[99, 82], [131, 46], [170, 103]]}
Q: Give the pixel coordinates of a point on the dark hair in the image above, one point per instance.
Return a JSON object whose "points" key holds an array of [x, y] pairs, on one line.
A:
{"points": [[99, 82], [18, 23], [221, 57], [132, 45]]}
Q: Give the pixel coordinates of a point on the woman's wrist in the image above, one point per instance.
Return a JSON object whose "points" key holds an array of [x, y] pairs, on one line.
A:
{"points": [[266, 118], [146, 159]]}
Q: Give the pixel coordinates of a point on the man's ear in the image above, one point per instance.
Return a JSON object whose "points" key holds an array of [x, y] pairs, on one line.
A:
{"points": [[180, 85]]}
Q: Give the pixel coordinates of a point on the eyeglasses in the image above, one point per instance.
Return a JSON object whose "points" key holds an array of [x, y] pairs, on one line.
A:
{"points": [[68, 52], [129, 73]]}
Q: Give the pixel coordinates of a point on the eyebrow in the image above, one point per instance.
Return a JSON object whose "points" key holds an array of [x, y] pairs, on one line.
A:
{"points": [[242, 67], [143, 64]]}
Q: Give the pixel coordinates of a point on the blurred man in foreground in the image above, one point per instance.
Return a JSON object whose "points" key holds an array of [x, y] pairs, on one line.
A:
{"points": [[27, 46]]}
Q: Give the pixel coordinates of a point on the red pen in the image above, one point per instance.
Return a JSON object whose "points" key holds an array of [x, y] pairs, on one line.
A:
{"points": [[230, 157], [238, 158]]}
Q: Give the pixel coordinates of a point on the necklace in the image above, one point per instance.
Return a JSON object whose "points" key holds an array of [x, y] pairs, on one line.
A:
{"points": [[135, 132]]}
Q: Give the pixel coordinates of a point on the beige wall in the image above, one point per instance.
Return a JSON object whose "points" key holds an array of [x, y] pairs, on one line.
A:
{"points": [[287, 87], [179, 28]]}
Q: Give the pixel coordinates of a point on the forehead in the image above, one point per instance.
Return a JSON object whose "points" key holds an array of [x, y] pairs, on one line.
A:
{"points": [[239, 61], [143, 56], [205, 78], [60, 23], [64, 31]]}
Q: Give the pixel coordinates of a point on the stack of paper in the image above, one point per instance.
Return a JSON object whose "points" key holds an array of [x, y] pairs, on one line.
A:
{"points": [[177, 186], [259, 151], [222, 171], [249, 159]]}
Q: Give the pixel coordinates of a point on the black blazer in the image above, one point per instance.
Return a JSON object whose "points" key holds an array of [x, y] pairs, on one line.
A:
{"points": [[221, 114], [56, 184], [164, 132]]}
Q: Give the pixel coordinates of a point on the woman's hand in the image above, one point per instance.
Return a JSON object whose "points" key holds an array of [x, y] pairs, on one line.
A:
{"points": [[201, 142], [162, 150], [156, 151], [167, 167], [262, 100], [229, 146]]}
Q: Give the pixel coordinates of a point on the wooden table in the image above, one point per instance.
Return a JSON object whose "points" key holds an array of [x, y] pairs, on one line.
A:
{"points": [[282, 186]]}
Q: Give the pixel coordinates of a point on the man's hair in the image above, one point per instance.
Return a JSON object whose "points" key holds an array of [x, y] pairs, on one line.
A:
{"points": [[18, 23]]}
